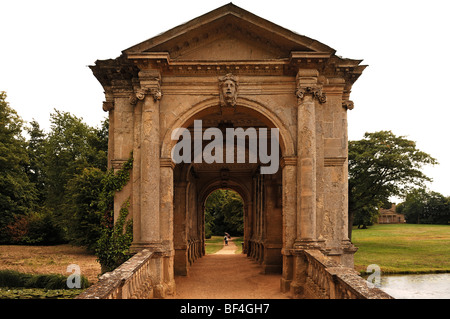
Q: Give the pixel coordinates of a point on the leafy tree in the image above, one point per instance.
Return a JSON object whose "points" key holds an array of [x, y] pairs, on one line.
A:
{"points": [[224, 212], [17, 193], [423, 207], [84, 214], [233, 211], [66, 155], [42, 229], [209, 224], [71, 147], [437, 209], [36, 154], [382, 165]]}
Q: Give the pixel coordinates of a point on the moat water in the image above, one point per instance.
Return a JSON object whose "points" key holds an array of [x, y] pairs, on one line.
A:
{"points": [[429, 286]]}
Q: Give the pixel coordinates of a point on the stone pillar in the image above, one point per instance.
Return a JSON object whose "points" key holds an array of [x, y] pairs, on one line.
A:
{"points": [[308, 94], [248, 208], [156, 209], [120, 143], [289, 206], [136, 174], [166, 222], [149, 93], [180, 233]]}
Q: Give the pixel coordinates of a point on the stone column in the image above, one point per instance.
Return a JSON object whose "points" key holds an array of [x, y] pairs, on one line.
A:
{"points": [[149, 95], [136, 175], [248, 208], [309, 93], [166, 222], [289, 206], [120, 143], [180, 234]]}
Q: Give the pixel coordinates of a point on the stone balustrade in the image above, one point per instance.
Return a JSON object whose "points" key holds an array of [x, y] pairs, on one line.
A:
{"points": [[327, 279], [131, 280]]}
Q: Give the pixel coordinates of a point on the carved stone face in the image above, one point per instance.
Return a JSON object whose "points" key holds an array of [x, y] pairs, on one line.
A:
{"points": [[228, 90]]}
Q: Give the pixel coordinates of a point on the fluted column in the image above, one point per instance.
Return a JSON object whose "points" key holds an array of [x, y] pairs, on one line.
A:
{"points": [[309, 94], [149, 94]]}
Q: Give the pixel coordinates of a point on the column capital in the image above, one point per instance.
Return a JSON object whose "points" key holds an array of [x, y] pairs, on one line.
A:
{"points": [[149, 83], [307, 84], [141, 93], [314, 91]]}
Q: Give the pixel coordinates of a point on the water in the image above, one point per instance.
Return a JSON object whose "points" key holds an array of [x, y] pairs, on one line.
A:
{"points": [[430, 286]]}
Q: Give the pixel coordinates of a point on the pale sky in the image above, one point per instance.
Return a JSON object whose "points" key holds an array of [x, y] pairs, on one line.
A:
{"points": [[46, 47]]}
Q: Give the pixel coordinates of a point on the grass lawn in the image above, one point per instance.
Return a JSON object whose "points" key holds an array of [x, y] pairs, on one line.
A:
{"points": [[238, 241], [213, 244], [46, 260], [403, 248], [49, 260]]}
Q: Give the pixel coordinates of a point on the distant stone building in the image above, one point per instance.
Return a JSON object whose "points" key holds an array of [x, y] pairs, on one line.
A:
{"points": [[390, 216]]}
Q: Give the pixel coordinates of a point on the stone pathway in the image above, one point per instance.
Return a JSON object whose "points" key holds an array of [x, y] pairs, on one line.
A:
{"points": [[226, 275]]}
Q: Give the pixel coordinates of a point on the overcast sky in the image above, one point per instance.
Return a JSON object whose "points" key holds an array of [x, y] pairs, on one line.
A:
{"points": [[46, 47]]}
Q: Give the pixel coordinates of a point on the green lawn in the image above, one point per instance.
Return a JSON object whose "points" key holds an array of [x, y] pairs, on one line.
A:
{"points": [[213, 244], [403, 248], [238, 241]]}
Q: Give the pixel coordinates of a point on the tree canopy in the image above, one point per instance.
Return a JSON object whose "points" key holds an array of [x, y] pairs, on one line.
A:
{"points": [[48, 182], [17, 193], [224, 212], [382, 165], [425, 207]]}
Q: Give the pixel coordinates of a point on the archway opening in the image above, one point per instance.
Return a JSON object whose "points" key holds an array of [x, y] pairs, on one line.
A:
{"points": [[195, 182], [224, 220]]}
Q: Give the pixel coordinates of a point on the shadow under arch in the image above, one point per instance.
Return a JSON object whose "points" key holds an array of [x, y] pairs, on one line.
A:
{"points": [[210, 106]]}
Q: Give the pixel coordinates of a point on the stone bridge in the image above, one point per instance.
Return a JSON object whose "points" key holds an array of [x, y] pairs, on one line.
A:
{"points": [[322, 279], [287, 96]]}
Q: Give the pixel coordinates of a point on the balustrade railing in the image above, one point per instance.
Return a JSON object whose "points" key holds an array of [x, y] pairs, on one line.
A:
{"points": [[131, 280], [327, 279]]}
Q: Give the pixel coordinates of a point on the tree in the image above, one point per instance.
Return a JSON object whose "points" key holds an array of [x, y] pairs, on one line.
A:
{"points": [[425, 207], [17, 193], [71, 147], [83, 201], [224, 212], [36, 154], [382, 165]]}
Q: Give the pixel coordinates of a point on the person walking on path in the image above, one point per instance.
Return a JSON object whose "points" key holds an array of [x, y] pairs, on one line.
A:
{"points": [[228, 249], [226, 240]]}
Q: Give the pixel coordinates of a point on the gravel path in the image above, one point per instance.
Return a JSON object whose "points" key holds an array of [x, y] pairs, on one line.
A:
{"points": [[229, 249], [226, 275]]}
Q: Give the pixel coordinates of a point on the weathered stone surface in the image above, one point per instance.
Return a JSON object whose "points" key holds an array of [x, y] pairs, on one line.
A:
{"points": [[230, 68]]}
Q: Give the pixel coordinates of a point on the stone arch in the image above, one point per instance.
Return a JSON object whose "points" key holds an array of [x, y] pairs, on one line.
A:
{"points": [[232, 184], [210, 105], [266, 251]]}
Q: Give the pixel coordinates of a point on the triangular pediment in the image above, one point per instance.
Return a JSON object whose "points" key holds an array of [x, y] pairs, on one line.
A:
{"points": [[229, 33]]}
